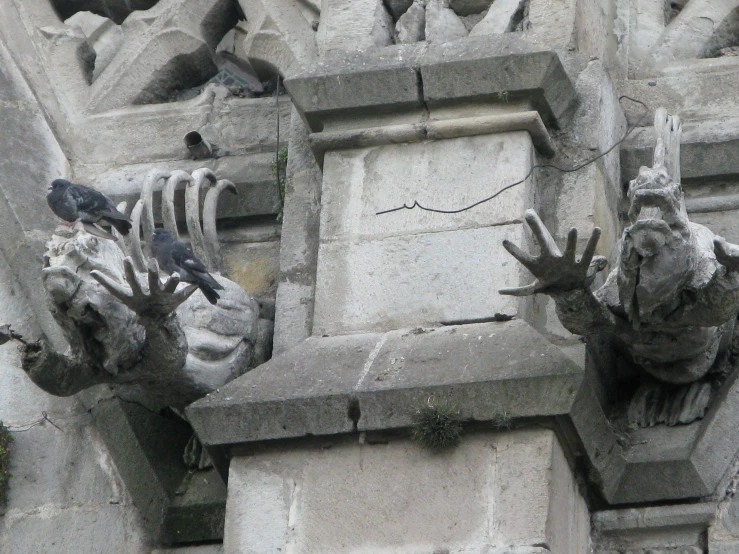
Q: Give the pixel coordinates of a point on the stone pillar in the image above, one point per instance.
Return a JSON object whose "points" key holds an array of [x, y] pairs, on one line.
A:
{"points": [[404, 311], [497, 492]]}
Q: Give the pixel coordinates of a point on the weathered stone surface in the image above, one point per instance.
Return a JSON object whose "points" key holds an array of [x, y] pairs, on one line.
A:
{"points": [[61, 530], [198, 513], [442, 24], [104, 37], [441, 256], [299, 241], [446, 174], [352, 293], [355, 25], [32, 159], [411, 26], [279, 37], [385, 80], [507, 490], [144, 71], [465, 70], [553, 21], [310, 388], [498, 19], [659, 529]]}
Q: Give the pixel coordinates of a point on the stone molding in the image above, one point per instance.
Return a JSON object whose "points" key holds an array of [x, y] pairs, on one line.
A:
{"points": [[435, 130], [402, 78]]}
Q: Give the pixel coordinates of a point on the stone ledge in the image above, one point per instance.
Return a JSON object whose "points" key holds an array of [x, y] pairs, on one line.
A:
{"points": [[707, 149], [489, 69], [529, 121], [487, 370], [371, 382], [654, 517]]}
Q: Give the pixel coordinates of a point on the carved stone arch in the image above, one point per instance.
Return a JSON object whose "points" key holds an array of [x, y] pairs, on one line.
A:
{"points": [[694, 32], [726, 35], [280, 38], [166, 48]]}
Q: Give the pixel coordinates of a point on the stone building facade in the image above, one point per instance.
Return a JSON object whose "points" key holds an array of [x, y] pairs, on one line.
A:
{"points": [[371, 314]]}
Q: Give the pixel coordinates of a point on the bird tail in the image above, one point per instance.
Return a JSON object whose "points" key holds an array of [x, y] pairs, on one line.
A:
{"points": [[209, 293], [121, 225], [204, 277]]}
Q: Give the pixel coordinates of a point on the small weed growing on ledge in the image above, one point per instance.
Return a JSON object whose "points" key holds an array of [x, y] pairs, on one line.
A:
{"points": [[437, 426], [502, 421], [5, 440]]}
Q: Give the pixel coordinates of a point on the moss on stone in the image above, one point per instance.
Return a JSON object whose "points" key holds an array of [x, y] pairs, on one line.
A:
{"points": [[5, 443]]}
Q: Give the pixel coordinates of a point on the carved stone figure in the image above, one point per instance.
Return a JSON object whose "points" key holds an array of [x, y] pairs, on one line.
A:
{"points": [[158, 343], [671, 300]]}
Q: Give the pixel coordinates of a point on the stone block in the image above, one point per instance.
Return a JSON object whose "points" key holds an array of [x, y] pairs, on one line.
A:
{"points": [[487, 68], [358, 82], [299, 241], [679, 528], [355, 25], [326, 386], [553, 21], [724, 223], [433, 260], [453, 364], [61, 530], [494, 491], [402, 281], [306, 392], [446, 174]]}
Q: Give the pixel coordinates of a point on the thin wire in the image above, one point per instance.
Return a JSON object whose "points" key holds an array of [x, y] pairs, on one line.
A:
{"points": [[416, 204], [28, 426]]}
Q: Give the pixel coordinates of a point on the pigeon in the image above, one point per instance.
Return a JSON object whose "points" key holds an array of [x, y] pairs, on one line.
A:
{"points": [[175, 256], [80, 203]]}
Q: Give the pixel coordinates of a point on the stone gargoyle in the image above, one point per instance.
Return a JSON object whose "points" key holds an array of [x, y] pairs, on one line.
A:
{"points": [[153, 342], [671, 300]]}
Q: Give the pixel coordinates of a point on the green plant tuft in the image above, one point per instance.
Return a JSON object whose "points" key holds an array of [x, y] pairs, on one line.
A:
{"points": [[6, 440], [437, 426]]}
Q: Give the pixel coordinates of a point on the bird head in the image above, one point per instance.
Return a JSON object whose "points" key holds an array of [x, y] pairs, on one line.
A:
{"points": [[162, 236], [59, 184]]}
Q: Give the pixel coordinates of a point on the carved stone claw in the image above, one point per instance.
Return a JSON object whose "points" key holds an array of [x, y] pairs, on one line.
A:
{"points": [[554, 271], [726, 253], [160, 300]]}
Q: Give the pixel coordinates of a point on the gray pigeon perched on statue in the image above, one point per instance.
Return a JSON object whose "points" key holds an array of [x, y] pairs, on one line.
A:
{"points": [[175, 256], [74, 203]]}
